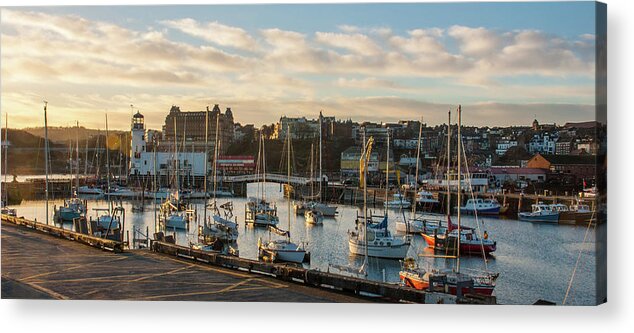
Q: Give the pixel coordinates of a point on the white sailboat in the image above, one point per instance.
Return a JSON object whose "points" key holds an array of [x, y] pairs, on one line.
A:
{"points": [[371, 237], [176, 214], [284, 249], [220, 230], [319, 206], [258, 211]]}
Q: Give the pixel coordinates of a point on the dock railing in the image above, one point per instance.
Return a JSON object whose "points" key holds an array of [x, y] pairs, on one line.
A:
{"points": [[101, 243], [309, 277]]}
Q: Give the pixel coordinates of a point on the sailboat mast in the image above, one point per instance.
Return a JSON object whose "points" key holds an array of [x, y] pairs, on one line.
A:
{"points": [[6, 157], [120, 159], [46, 157], [365, 201], [70, 167], [176, 160], [312, 171], [387, 171], [321, 177], [206, 165], [263, 170], [154, 187], [77, 155], [420, 134], [216, 144], [448, 164], [86, 159], [288, 167], [459, 185], [107, 161]]}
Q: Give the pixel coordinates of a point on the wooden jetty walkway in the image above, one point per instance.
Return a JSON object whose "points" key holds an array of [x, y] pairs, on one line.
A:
{"points": [[39, 261]]}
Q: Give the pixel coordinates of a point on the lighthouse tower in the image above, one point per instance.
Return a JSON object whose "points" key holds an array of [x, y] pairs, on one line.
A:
{"points": [[138, 142]]}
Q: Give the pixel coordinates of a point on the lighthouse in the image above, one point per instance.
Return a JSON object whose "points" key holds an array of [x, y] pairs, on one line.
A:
{"points": [[138, 142]]}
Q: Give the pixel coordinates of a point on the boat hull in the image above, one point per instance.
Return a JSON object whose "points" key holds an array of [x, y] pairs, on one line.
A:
{"points": [[176, 223], [528, 217], [481, 211], [413, 281], [388, 252], [68, 215], [325, 210]]}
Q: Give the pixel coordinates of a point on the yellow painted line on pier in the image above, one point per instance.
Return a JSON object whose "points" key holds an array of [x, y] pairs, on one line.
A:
{"points": [[162, 274], [45, 290], [199, 293], [73, 267], [202, 265]]}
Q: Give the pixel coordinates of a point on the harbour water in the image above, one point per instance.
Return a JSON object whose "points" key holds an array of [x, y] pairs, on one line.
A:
{"points": [[535, 261]]}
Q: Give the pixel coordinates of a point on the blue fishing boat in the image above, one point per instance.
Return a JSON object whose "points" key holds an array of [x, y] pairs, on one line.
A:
{"points": [[72, 209], [540, 213]]}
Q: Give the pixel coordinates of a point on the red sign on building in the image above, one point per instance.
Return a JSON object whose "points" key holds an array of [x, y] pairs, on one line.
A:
{"points": [[236, 165]]}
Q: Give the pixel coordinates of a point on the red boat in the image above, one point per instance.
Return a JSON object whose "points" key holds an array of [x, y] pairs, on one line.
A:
{"points": [[470, 243], [447, 280]]}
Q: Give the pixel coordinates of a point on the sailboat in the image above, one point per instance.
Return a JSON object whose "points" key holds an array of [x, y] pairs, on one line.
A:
{"points": [[258, 211], [416, 224], [74, 207], [450, 279], [283, 249], [323, 208], [5, 201], [175, 213], [220, 231], [374, 240], [311, 215]]}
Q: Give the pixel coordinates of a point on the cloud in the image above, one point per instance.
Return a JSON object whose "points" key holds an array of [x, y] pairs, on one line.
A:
{"points": [[349, 28], [215, 32], [475, 42], [106, 65], [369, 83], [357, 43], [420, 41]]}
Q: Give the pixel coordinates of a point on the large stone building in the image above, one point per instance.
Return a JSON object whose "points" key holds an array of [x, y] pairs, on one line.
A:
{"points": [[191, 124]]}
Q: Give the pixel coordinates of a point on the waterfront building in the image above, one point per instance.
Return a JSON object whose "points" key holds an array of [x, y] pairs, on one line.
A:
{"points": [[504, 174], [142, 155], [580, 166]]}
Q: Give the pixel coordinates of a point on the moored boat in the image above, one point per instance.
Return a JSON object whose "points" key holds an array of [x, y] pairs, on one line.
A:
{"points": [[412, 276], [540, 212], [425, 198], [89, 190], [314, 217], [398, 201], [481, 207]]}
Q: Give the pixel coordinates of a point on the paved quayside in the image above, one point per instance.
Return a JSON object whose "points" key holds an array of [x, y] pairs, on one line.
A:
{"points": [[36, 265]]}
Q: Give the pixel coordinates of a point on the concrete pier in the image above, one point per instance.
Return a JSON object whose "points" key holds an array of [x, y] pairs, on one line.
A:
{"points": [[36, 265]]}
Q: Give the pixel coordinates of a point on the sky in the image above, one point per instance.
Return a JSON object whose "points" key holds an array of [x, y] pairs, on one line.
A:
{"points": [[505, 63]]}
